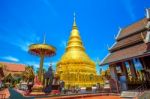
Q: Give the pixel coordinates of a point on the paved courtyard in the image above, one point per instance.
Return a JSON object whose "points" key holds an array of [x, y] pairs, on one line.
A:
{"points": [[102, 97], [13, 94], [85, 96]]}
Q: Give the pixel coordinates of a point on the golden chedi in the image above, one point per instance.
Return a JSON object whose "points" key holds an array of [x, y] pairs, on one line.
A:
{"points": [[75, 68]]}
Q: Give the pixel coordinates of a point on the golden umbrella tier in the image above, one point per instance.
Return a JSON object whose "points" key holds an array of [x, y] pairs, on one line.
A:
{"points": [[42, 49]]}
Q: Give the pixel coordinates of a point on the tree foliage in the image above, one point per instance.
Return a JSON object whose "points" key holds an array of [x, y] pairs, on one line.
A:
{"points": [[28, 74]]}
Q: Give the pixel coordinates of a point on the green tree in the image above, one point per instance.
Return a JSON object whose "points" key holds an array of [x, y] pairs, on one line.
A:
{"points": [[28, 74]]}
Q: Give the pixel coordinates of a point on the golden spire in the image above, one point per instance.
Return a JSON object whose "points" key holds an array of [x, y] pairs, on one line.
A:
{"points": [[75, 41], [75, 50], [74, 22]]}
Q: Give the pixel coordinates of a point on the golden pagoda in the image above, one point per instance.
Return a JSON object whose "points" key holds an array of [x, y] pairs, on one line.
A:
{"points": [[75, 67]]}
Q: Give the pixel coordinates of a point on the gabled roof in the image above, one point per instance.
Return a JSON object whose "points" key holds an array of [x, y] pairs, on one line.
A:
{"points": [[13, 67], [133, 28], [129, 43]]}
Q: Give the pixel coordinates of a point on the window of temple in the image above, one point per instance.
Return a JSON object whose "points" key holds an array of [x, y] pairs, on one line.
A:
{"points": [[127, 66], [137, 63], [118, 69]]}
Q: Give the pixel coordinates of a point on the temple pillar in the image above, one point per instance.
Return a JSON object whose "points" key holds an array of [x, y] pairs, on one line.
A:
{"points": [[124, 69], [132, 68], [113, 72], [123, 77]]}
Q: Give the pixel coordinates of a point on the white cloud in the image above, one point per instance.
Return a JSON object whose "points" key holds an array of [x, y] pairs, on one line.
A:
{"points": [[129, 8], [11, 58], [21, 42], [23, 45], [50, 7]]}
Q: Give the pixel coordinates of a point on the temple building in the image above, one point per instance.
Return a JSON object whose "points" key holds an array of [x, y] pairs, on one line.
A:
{"points": [[10, 72], [75, 67], [131, 50]]}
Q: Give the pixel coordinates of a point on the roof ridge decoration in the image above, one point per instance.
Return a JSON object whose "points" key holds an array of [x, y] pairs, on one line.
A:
{"points": [[147, 38], [148, 25], [148, 13], [113, 45], [101, 63], [120, 29]]}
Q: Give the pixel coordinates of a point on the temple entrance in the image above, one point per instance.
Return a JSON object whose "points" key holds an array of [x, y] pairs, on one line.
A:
{"points": [[146, 65]]}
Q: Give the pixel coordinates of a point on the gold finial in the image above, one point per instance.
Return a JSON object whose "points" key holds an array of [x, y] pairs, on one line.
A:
{"points": [[44, 40], [74, 22], [74, 15]]}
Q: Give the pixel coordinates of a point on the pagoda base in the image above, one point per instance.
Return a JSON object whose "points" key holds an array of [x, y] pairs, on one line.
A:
{"points": [[37, 90], [36, 93]]}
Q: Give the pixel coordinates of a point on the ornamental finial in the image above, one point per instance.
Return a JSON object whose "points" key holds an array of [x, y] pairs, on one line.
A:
{"points": [[74, 14], [74, 22], [44, 40]]}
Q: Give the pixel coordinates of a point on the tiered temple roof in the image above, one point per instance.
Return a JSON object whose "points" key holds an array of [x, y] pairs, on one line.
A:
{"points": [[130, 42]]}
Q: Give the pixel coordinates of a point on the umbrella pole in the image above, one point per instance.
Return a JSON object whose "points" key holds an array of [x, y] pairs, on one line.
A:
{"points": [[41, 68]]}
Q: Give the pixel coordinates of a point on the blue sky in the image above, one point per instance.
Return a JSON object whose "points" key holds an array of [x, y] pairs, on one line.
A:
{"points": [[23, 22]]}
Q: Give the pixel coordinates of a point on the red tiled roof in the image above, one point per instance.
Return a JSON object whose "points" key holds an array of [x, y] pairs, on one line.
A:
{"points": [[126, 53], [14, 67], [131, 29]]}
